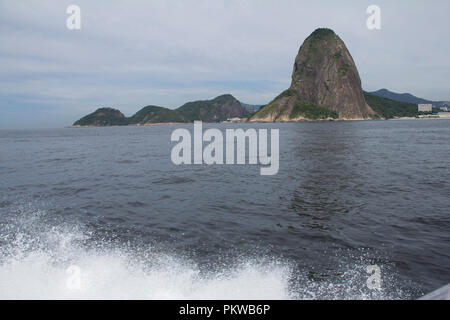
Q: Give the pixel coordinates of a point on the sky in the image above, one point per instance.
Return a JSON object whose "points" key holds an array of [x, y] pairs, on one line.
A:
{"points": [[129, 54]]}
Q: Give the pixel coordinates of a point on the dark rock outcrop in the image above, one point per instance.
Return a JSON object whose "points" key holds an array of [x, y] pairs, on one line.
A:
{"points": [[325, 84]]}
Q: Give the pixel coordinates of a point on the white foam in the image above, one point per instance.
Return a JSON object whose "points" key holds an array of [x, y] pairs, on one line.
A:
{"points": [[35, 258], [111, 276]]}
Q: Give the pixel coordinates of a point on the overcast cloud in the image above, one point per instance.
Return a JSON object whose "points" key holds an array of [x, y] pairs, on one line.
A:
{"points": [[129, 54]]}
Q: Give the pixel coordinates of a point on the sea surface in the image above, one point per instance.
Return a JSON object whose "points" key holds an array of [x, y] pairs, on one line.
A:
{"points": [[104, 213]]}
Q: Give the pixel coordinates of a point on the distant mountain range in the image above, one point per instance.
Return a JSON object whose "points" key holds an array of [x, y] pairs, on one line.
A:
{"points": [[325, 85], [218, 109], [407, 97]]}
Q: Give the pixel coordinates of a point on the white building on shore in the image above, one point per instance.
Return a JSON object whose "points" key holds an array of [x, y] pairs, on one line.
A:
{"points": [[425, 107]]}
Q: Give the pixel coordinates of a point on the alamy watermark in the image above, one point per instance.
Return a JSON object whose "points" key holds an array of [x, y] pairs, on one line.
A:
{"points": [[73, 22], [191, 151], [374, 20], [374, 280]]}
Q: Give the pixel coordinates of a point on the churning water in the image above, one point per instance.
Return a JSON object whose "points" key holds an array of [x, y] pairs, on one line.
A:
{"points": [[110, 202]]}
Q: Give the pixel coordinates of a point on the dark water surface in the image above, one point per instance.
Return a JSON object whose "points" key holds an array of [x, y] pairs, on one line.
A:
{"points": [[109, 201]]}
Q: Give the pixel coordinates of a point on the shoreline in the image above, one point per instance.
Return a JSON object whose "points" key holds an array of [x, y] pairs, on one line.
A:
{"points": [[234, 122]]}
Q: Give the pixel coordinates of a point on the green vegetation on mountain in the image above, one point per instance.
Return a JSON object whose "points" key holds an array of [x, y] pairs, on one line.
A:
{"points": [[322, 34], [103, 117], [310, 111], [272, 106], [389, 109], [218, 109], [299, 109], [155, 114]]}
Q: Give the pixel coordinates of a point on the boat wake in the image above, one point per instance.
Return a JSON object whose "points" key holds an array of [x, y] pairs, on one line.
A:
{"points": [[41, 260]]}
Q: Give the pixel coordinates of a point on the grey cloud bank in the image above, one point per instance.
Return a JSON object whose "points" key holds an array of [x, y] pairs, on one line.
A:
{"points": [[129, 54]]}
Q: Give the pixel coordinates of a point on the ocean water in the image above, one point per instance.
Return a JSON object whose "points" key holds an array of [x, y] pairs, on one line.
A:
{"points": [[110, 203]]}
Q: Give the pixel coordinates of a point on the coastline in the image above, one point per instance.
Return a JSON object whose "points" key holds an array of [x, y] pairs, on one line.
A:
{"points": [[262, 121], [130, 125]]}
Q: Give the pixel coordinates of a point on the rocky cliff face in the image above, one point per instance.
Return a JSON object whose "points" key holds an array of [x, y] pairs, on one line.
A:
{"points": [[325, 84]]}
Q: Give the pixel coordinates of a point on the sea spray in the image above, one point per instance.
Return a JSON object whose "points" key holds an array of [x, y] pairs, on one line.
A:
{"points": [[36, 258], [40, 253]]}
